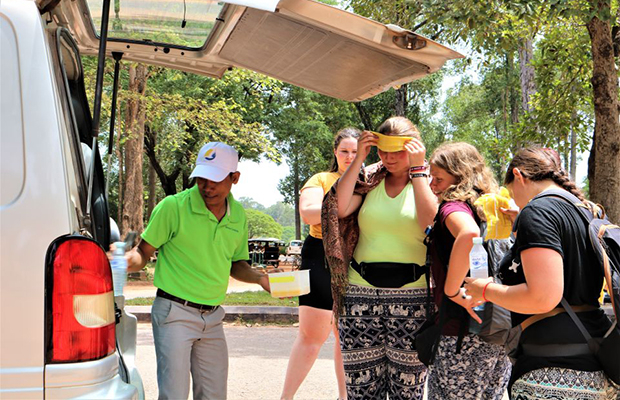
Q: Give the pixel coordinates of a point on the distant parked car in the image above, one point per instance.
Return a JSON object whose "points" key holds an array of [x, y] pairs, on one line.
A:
{"points": [[294, 248]]}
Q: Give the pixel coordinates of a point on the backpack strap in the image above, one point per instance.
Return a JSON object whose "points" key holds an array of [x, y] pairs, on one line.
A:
{"points": [[584, 210], [558, 310], [592, 344], [606, 265]]}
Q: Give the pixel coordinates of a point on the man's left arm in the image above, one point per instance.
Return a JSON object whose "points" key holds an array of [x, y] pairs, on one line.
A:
{"points": [[242, 271]]}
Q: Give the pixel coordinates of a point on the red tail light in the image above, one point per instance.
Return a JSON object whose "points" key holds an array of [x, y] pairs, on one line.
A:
{"points": [[81, 302]]}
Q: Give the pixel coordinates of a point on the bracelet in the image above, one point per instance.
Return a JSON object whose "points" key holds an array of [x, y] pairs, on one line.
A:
{"points": [[418, 168], [484, 291], [418, 175], [455, 294]]}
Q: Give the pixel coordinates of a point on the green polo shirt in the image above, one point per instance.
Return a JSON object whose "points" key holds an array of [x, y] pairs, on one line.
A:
{"points": [[195, 250]]}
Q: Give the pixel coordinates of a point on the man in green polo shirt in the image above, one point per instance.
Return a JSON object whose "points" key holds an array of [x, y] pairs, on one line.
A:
{"points": [[202, 237]]}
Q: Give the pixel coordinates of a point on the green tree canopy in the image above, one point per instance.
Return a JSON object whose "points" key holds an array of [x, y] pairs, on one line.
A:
{"points": [[262, 225]]}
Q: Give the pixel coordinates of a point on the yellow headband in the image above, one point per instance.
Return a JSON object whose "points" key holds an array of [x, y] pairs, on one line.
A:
{"points": [[391, 143]]}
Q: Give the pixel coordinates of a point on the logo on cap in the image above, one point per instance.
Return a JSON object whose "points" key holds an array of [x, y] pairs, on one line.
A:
{"points": [[208, 155]]}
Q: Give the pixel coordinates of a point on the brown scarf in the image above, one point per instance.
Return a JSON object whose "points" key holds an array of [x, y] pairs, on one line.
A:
{"points": [[340, 235]]}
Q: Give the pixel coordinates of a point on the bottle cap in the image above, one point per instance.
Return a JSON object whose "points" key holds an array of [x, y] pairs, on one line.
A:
{"points": [[119, 248], [478, 240]]}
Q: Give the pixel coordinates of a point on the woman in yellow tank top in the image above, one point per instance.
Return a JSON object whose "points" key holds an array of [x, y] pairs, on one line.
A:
{"points": [[315, 308]]}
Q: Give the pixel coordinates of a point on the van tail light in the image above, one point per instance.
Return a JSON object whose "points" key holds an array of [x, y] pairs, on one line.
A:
{"points": [[80, 322]]}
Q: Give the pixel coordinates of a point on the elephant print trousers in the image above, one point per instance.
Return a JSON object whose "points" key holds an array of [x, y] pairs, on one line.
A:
{"points": [[377, 330]]}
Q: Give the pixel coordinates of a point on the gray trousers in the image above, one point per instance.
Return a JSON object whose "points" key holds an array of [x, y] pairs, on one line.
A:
{"points": [[188, 340]]}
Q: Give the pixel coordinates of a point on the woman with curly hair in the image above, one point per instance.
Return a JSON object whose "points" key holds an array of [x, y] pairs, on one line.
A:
{"points": [[465, 366]]}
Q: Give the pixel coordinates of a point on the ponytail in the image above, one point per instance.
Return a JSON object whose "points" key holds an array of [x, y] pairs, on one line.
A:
{"points": [[561, 179], [539, 164]]}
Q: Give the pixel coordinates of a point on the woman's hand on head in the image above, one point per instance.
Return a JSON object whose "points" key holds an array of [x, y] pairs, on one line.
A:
{"points": [[364, 143], [416, 152]]}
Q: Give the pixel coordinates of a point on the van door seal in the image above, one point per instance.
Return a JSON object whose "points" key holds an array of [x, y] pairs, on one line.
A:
{"points": [[103, 39], [117, 66]]}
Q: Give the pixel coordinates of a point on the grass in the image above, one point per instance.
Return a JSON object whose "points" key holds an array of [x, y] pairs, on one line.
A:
{"points": [[249, 298]]}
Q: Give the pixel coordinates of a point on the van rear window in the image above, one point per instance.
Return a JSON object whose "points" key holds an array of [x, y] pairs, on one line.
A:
{"points": [[159, 21]]}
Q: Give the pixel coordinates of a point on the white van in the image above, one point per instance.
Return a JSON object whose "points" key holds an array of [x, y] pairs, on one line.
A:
{"points": [[60, 336]]}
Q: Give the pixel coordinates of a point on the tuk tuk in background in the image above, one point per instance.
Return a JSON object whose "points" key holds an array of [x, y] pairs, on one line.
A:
{"points": [[265, 252]]}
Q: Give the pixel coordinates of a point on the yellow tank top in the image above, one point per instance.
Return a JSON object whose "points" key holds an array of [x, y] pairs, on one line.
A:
{"points": [[389, 232], [324, 180]]}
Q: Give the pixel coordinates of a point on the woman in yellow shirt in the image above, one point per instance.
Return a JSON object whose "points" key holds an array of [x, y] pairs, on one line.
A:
{"points": [[315, 308]]}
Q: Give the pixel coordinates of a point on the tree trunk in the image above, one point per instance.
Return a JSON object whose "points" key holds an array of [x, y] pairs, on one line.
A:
{"points": [[364, 116], [506, 92], [400, 101], [604, 171], [152, 191], [573, 154], [150, 205], [615, 34], [133, 206], [513, 96], [121, 172], [526, 73], [168, 181]]}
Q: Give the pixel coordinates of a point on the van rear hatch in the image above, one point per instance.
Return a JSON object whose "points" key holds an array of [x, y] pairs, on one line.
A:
{"points": [[302, 42]]}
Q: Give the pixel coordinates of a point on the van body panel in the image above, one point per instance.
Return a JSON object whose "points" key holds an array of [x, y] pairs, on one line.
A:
{"points": [[41, 208], [114, 389], [12, 157], [43, 204], [81, 374], [127, 335], [21, 383]]}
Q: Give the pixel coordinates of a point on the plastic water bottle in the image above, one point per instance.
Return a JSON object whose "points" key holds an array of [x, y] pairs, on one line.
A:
{"points": [[119, 268], [478, 263], [478, 260]]}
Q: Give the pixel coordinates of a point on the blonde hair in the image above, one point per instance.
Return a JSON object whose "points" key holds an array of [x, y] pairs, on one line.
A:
{"points": [[466, 164], [399, 126]]}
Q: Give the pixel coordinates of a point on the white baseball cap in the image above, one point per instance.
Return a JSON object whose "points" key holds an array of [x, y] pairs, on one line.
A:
{"points": [[215, 161]]}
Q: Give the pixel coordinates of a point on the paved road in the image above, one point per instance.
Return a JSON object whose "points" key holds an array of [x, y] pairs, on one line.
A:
{"points": [[258, 360]]}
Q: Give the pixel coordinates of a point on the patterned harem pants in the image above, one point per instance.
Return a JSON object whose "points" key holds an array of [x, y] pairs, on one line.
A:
{"points": [[565, 384], [377, 330], [479, 371]]}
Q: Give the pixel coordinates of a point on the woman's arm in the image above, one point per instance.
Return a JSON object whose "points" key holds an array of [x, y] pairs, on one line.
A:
{"points": [[464, 228], [348, 202], [425, 200], [310, 203], [544, 276]]}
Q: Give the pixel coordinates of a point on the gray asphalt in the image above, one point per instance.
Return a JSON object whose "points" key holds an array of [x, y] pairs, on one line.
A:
{"points": [[258, 360]]}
